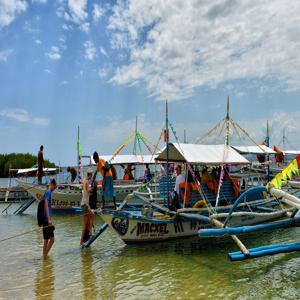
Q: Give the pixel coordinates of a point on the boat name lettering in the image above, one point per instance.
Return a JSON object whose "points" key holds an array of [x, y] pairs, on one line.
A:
{"points": [[178, 227], [143, 228]]}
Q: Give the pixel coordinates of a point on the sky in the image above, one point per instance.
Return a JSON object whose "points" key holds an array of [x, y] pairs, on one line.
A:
{"points": [[99, 64]]}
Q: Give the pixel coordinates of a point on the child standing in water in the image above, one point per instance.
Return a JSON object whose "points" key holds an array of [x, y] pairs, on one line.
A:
{"points": [[88, 215]]}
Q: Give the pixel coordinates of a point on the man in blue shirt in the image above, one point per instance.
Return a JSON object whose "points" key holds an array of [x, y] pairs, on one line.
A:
{"points": [[48, 228]]}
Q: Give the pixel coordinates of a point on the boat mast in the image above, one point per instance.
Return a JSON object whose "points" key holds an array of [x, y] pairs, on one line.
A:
{"points": [[78, 154], [167, 148], [268, 156], [227, 123], [184, 136]]}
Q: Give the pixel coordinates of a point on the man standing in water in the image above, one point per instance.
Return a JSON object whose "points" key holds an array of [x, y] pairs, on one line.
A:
{"points": [[107, 181], [48, 228], [40, 164]]}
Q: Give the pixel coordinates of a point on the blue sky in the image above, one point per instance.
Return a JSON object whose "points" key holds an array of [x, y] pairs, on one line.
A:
{"points": [[98, 64]]}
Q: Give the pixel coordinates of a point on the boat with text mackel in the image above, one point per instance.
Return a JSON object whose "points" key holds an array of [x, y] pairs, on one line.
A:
{"points": [[204, 206]]}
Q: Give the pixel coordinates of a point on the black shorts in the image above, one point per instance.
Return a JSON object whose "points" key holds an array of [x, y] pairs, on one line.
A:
{"points": [[48, 232]]}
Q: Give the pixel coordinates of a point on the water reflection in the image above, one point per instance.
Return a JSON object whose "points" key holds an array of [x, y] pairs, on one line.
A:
{"points": [[88, 278], [44, 281]]}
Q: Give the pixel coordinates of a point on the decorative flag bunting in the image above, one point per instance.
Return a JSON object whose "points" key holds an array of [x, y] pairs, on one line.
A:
{"points": [[286, 174]]}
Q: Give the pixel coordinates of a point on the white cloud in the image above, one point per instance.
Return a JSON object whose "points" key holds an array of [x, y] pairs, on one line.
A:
{"points": [[78, 11], [23, 116], [103, 51], [66, 27], [9, 10], [39, 1], [178, 46], [85, 27], [102, 72], [64, 82], [38, 42], [90, 50], [5, 54], [98, 12], [54, 53]]}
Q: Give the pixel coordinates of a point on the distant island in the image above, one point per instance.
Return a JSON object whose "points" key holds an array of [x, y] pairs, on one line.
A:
{"points": [[19, 161]]}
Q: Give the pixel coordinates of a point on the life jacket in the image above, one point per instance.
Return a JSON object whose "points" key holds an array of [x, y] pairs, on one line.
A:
{"points": [[278, 157], [236, 187], [210, 185], [185, 192], [126, 176]]}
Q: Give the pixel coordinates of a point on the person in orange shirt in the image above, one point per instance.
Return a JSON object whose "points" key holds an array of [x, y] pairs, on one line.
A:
{"points": [[107, 183]]}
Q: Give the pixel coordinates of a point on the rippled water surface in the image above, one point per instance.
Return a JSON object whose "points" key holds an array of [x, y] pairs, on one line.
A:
{"points": [[186, 269]]}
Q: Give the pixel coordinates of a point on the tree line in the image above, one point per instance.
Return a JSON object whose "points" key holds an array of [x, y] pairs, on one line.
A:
{"points": [[19, 161]]}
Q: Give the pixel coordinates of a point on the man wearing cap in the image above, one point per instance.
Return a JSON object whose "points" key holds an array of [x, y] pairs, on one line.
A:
{"points": [[107, 182]]}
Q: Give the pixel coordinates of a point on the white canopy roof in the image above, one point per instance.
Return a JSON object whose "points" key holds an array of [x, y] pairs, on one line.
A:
{"points": [[254, 149], [202, 154], [128, 159], [30, 170], [292, 152]]}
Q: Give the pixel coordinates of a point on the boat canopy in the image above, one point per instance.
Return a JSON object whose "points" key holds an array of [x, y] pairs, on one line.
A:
{"points": [[127, 159], [291, 152], [254, 150], [202, 154], [32, 170]]}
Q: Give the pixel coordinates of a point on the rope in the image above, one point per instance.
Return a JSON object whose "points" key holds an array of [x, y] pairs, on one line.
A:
{"points": [[38, 228], [247, 135], [144, 142], [158, 141], [140, 148], [200, 140], [122, 146]]}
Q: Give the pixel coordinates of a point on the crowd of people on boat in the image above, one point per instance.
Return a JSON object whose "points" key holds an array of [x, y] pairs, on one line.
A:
{"points": [[186, 183]]}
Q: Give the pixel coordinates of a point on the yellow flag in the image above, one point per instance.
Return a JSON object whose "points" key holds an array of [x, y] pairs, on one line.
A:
{"points": [[295, 167]]}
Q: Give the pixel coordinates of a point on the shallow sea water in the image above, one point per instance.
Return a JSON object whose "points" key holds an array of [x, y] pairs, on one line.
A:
{"points": [[183, 269]]}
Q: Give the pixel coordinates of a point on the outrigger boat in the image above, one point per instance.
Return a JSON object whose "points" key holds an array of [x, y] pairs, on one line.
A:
{"points": [[67, 196], [159, 223], [206, 213]]}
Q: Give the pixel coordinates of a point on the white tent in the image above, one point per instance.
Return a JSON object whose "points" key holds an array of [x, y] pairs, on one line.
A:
{"points": [[128, 159], [202, 154], [254, 150]]}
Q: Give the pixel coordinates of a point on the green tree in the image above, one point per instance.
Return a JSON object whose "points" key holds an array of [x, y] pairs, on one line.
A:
{"points": [[19, 161]]}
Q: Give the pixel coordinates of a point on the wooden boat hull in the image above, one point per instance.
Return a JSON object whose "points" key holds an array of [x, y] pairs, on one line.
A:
{"points": [[16, 194], [136, 229], [68, 197]]}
